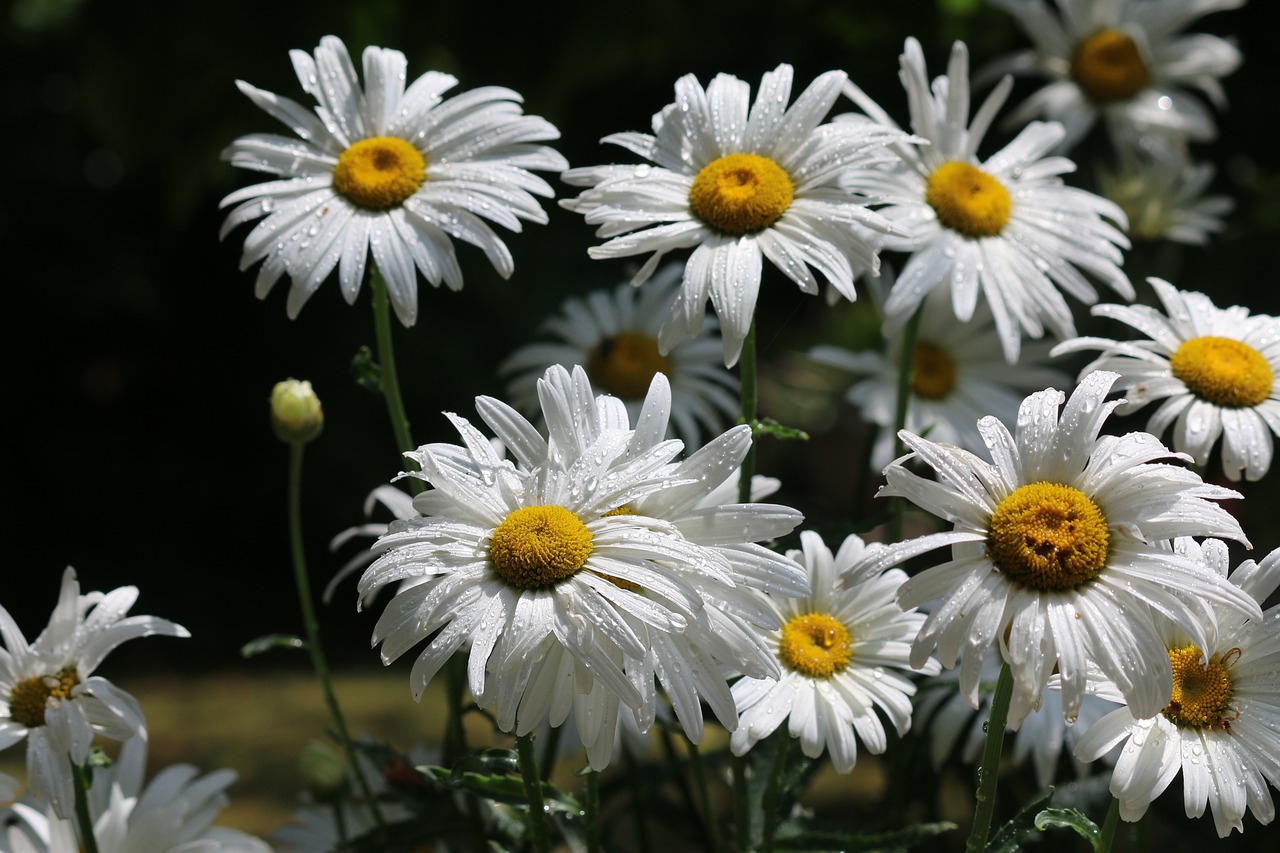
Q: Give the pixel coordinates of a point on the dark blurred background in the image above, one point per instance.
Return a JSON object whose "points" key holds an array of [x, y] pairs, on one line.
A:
{"points": [[137, 429]]}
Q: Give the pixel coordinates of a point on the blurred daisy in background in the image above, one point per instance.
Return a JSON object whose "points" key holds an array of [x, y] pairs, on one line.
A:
{"points": [[613, 334], [397, 172], [1214, 369], [739, 182], [1219, 727], [1006, 228], [1127, 61]]}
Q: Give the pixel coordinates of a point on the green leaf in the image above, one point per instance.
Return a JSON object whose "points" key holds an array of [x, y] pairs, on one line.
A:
{"points": [[811, 835], [253, 648], [768, 426], [495, 775], [1009, 838], [1070, 819], [366, 371]]}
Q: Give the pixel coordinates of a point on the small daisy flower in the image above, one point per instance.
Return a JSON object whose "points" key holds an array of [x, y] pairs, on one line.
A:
{"points": [[958, 375], [1006, 228], [1219, 727], [614, 335], [1126, 61], [1216, 370], [49, 694], [1055, 552], [1162, 191], [397, 172], [841, 650], [739, 182]]}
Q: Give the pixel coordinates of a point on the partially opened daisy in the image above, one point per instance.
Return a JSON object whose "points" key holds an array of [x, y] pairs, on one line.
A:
{"points": [[397, 172], [1216, 371], [1055, 552], [1006, 228], [739, 182], [843, 652], [1126, 61], [49, 694], [614, 335], [1219, 728]]}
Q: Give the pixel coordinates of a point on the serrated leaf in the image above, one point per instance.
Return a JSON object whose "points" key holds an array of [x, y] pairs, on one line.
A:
{"points": [[1009, 838], [253, 648], [366, 371], [768, 426], [810, 835], [1070, 819]]}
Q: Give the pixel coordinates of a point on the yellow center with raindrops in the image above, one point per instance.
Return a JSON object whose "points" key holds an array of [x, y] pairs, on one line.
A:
{"points": [[379, 172]]}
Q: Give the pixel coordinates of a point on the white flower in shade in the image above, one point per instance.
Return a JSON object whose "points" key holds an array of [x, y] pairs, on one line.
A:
{"points": [[842, 649], [397, 172], [49, 694], [614, 335], [1007, 227], [1055, 554], [958, 376], [950, 721], [1216, 371], [1220, 726], [1127, 61], [739, 182], [173, 813], [1162, 191], [548, 569]]}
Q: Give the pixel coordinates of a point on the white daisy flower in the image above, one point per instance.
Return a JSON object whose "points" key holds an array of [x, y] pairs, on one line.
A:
{"points": [[49, 694], [1007, 227], [1216, 370], [739, 185], [1220, 726], [958, 375], [1055, 552], [539, 568], [614, 335], [399, 172], [1127, 61], [840, 649], [173, 813]]}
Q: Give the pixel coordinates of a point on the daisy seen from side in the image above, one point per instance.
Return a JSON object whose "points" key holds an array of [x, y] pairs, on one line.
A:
{"points": [[1215, 372], [1055, 552], [1006, 228], [397, 172], [739, 182]]}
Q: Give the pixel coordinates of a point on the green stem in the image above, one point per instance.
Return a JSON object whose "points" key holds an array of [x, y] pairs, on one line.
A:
{"points": [[747, 395], [303, 583], [83, 818], [773, 793], [533, 791], [388, 377], [639, 804], [549, 752], [704, 792], [1109, 828], [340, 822], [741, 804], [1140, 833], [592, 796], [985, 806], [906, 372]]}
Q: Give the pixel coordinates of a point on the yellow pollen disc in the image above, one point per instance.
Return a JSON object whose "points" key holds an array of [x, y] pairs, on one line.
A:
{"points": [[968, 200], [625, 364], [1224, 371], [933, 372], [1201, 694], [741, 193], [815, 645], [539, 546], [379, 172], [1048, 536], [30, 697], [1108, 67]]}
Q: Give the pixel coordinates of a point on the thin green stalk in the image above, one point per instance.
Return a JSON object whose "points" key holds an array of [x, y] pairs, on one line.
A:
{"points": [[1141, 831], [83, 818], [985, 806], [303, 583], [747, 395], [906, 372], [704, 792], [741, 804], [549, 750], [638, 804], [1109, 828], [340, 822], [533, 791], [774, 792], [592, 797]]}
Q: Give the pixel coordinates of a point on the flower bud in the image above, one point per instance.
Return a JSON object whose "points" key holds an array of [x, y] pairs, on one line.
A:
{"points": [[323, 771], [295, 411]]}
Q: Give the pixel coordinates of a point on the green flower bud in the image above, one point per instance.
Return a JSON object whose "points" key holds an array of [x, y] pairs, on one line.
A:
{"points": [[295, 411]]}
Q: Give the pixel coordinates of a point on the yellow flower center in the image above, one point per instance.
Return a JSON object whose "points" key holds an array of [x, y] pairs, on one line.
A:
{"points": [[1201, 694], [815, 645], [968, 200], [379, 172], [625, 364], [1048, 536], [933, 372], [30, 697], [1108, 67], [741, 193], [538, 546], [1224, 371]]}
